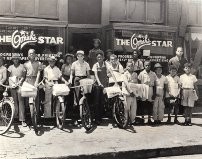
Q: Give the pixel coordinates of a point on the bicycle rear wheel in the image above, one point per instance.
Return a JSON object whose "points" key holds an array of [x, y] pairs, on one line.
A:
{"points": [[60, 114], [86, 115], [120, 116], [7, 111], [33, 116]]}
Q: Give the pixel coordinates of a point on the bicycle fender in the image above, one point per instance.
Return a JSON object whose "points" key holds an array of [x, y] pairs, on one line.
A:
{"points": [[121, 98], [81, 100]]}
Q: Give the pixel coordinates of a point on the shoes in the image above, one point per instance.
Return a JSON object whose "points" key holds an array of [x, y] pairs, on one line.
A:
{"points": [[189, 122], [169, 120], [149, 122], [185, 123], [24, 124], [176, 121]]}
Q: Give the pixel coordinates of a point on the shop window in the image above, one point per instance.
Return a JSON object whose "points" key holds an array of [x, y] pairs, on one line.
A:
{"points": [[25, 7], [51, 9], [138, 10], [6, 7], [195, 12], [84, 11]]}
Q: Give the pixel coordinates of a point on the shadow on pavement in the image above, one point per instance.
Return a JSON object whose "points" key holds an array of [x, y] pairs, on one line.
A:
{"points": [[16, 132]]}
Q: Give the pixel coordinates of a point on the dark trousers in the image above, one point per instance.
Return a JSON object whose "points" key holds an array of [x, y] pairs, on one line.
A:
{"points": [[172, 107], [99, 102], [147, 108]]}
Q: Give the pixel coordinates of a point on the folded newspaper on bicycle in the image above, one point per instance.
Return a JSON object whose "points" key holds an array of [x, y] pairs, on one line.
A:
{"points": [[119, 77], [28, 90], [112, 91], [87, 85], [60, 89], [140, 90]]}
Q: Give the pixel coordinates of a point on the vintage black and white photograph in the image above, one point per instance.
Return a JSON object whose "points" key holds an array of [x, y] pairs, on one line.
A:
{"points": [[100, 79]]}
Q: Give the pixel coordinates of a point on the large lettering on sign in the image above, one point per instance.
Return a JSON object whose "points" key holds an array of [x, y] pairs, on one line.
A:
{"points": [[20, 38], [137, 41]]}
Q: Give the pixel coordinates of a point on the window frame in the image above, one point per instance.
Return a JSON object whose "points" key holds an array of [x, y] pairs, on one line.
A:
{"points": [[145, 20]]}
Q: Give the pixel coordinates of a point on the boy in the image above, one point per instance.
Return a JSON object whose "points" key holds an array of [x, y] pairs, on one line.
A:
{"points": [[172, 93], [148, 77], [158, 108], [189, 92], [131, 102], [17, 70], [51, 74]]}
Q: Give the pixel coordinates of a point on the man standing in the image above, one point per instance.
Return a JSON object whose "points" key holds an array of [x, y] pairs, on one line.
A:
{"points": [[93, 52], [178, 61]]}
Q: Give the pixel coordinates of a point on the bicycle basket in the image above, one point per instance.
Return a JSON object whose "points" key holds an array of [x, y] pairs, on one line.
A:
{"points": [[60, 89], [28, 90], [87, 85], [112, 91]]}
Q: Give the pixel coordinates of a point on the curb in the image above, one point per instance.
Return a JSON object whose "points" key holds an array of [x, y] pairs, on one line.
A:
{"points": [[139, 154]]}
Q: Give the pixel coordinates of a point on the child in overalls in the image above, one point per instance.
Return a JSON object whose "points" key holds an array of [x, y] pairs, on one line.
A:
{"points": [[17, 70], [100, 71], [51, 74], [172, 93], [148, 77], [158, 108], [189, 92], [131, 102]]}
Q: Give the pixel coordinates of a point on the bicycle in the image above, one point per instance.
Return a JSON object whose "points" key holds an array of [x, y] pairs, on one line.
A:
{"points": [[7, 111], [30, 91], [116, 103], [83, 103], [59, 91]]}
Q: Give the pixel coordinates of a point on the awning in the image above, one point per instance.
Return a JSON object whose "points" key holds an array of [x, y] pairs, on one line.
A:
{"points": [[196, 36]]}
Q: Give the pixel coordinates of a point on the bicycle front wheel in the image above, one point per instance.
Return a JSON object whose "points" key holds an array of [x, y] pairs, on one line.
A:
{"points": [[120, 116], [60, 114], [7, 111], [33, 116], [86, 115]]}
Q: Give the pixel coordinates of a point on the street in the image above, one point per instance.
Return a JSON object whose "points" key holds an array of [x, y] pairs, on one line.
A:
{"points": [[72, 141]]}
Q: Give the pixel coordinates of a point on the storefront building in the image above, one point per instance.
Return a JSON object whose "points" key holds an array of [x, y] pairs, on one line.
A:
{"points": [[156, 27]]}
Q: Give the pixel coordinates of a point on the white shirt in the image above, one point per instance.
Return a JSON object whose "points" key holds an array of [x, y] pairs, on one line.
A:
{"points": [[188, 81], [147, 78], [80, 68], [52, 73], [160, 82], [173, 85]]}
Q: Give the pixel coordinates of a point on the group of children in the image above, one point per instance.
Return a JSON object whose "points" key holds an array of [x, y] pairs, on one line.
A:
{"points": [[170, 90]]}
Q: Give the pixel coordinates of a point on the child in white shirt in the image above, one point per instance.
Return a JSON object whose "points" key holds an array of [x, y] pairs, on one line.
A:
{"points": [[131, 102], [189, 92]]}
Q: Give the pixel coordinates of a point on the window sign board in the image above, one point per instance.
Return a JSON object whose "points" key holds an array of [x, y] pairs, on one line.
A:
{"points": [[19, 39]]}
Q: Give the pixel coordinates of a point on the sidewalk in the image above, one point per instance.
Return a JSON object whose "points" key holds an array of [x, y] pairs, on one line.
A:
{"points": [[104, 142]]}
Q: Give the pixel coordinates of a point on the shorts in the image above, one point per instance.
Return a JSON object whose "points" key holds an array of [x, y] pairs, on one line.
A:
{"points": [[188, 98]]}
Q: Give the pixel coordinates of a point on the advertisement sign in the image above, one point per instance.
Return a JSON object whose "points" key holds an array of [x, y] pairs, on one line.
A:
{"points": [[157, 45], [46, 41]]}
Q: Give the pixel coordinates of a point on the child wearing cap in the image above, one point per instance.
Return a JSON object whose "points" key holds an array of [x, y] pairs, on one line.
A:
{"points": [[172, 93], [3, 75], [188, 83], [17, 70], [80, 69], [131, 102], [51, 74], [158, 108], [148, 77]]}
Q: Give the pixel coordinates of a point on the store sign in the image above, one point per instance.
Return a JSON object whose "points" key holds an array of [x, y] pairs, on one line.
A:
{"points": [[20, 38], [137, 41]]}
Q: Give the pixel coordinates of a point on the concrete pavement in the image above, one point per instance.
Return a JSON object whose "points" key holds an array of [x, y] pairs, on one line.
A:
{"points": [[104, 141]]}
